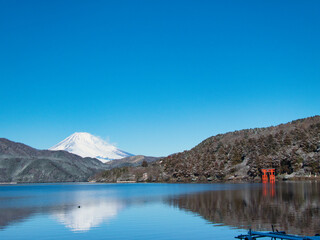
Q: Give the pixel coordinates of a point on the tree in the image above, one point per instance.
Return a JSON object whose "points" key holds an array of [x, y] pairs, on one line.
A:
{"points": [[144, 163]]}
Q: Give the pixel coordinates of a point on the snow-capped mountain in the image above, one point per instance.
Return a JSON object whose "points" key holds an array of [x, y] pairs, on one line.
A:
{"points": [[86, 145]]}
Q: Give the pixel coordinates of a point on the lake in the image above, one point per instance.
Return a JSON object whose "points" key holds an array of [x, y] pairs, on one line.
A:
{"points": [[156, 211]]}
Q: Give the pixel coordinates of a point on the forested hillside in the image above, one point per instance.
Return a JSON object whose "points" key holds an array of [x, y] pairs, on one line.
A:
{"points": [[292, 148]]}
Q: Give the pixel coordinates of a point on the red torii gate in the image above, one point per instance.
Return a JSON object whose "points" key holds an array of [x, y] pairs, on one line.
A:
{"points": [[271, 172]]}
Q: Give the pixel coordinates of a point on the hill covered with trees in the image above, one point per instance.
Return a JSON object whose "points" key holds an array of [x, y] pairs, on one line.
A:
{"points": [[293, 149]]}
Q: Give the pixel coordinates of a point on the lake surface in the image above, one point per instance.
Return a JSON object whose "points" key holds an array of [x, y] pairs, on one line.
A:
{"points": [[156, 211]]}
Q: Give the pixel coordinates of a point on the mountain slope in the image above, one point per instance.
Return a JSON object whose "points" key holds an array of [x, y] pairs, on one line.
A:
{"points": [[292, 149], [87, 145], [21, 163], [132, 161]]}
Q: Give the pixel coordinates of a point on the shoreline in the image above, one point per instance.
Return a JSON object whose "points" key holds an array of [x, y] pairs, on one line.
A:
{"points": [[279, 179]]}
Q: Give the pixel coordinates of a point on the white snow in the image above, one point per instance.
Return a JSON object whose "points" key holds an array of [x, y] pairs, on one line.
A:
{"points": [[91, 215], [86, 145]]}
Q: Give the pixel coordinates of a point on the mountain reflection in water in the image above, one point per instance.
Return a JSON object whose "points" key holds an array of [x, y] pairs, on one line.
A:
{"points": [[93, 214], [291, 206], [99, 203]]}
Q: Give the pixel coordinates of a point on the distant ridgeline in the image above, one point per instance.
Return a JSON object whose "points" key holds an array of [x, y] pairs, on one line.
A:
{"points": [[21, 163], [293, 149]]}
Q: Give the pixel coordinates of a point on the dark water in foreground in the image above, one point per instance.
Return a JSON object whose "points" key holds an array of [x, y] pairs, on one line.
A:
{"points": [[156, 211]]}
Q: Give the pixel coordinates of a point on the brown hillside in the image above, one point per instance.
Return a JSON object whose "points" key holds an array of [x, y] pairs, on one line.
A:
{"points": [[292, 148]]}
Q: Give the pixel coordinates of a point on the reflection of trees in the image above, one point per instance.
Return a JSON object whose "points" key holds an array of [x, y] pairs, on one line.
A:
{"points": [[294, 207]]}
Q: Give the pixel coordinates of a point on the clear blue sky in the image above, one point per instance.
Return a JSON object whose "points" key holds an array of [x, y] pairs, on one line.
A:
{"points": [[155, 77]]}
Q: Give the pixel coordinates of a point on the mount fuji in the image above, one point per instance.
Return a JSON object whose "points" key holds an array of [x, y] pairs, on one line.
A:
{"points": [[86, 145]]}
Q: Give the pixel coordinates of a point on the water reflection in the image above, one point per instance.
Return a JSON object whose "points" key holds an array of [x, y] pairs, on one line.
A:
{"points": [[88, 216], [293, 207], [268, 189], [99, 203], [76, 219], [13, 215]]}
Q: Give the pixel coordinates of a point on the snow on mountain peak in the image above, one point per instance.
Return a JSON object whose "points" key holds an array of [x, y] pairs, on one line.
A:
{"points": [[86, 145]]}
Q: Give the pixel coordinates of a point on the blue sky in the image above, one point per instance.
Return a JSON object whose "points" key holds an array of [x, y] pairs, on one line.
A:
{"points": [[155, 77]]}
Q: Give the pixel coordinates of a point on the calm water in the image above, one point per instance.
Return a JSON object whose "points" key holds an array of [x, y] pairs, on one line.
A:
{"points": [[156, 211]]}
